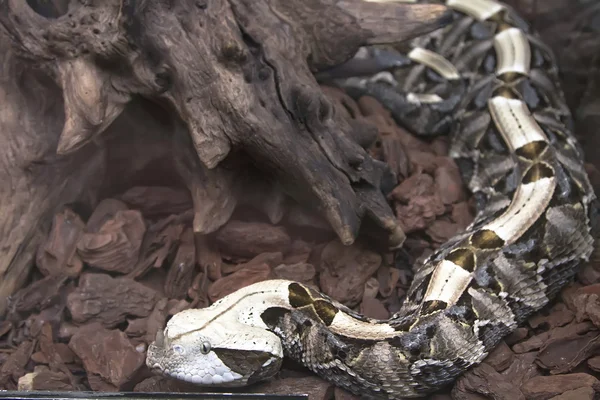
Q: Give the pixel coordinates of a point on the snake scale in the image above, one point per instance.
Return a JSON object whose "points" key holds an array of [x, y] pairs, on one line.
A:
{"points": [[489, 82]]}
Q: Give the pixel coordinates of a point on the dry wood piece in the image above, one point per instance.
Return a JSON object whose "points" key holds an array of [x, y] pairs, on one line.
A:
{"points": [[5, 327], [545, 387], [566, 354], [449, 182], [388, 279], [107, 353], [109, 300], [501, 357], [249, 239], [559, 316], [545, 338], [301, 272], [104, 211], [441, 230], [374, 308], [270, 259], [57, 255], [587, 306], [145, 329], [518, 335], [299, 252], [182, 268], [155, 201], [461, 214], [594, 363], [116, 246], [394, 153], [160, 239], [415, 186], [42, 378], [208, 257], [39, 295], [483, 379], [254, 272], [584, 393], [522, 369], [346, 270], [418, 204], [13, 366]]}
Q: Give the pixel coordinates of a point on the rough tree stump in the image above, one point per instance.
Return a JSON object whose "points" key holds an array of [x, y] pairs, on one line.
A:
{"points": [[237, 78]]}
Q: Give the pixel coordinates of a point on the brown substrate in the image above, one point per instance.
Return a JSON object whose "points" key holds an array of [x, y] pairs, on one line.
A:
{"points": [[105, 284]]}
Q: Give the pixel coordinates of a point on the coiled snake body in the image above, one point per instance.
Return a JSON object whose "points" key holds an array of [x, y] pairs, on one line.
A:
{"points": [[492, 84]]}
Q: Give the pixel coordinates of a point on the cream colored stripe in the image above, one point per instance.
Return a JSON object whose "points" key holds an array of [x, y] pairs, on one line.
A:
{"points": [[514, 52], [448, 283], [528, 204], [434, 61], [514, 121], [344, 324], [478, 9]]}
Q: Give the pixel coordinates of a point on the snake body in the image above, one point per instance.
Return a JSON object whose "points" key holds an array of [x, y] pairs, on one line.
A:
{"points": [[491, 84]]}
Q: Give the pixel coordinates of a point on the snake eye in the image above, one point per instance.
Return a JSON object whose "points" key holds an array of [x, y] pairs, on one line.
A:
{"points": [[178, 349], [205, 347]]}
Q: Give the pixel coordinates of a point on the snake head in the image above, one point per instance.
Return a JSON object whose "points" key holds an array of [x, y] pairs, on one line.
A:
{"points": [[195, 347]]}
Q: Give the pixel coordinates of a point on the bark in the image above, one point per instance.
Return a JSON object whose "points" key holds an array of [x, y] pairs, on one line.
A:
{"points": [[237, 79]]}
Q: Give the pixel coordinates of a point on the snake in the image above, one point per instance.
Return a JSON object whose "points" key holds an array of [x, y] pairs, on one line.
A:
{"points": [[488, 82]]}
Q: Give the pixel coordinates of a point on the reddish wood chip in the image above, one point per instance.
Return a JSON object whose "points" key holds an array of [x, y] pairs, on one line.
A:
{"points": [[441, 230], [301, 272], [545, 387], [109, 300], [449, 182], [40, 294], [345, 271], [545, 338], [209, 257], [249, 239], [564, 355], [483, 379], [299, 252], [388, 279], [107, 353], [239, 279], [583, 393], [394, 154], [518, 335], [522, 369], [501, 357], [155, 201], [104, 211], [420, 212], [181, 271], [43, 378], [461, 214], [415, 186], [14, 366], [559, 316], [57, 255], [374, 308], [594, 363], [116, 246], [158, 243]]}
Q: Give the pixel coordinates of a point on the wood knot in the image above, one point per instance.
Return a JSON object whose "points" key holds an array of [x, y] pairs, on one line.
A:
{"points": [[311, 107], [232, 52]]}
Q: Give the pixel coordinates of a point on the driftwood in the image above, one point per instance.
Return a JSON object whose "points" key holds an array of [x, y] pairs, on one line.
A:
{"points": [[237, 79]]}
